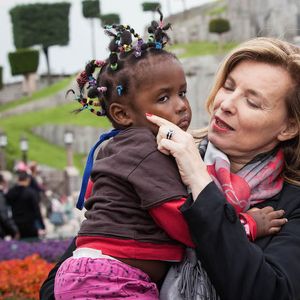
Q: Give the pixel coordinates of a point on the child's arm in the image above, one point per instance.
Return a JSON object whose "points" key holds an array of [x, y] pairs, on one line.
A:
{"points": [[170, 219], [259, 222]]}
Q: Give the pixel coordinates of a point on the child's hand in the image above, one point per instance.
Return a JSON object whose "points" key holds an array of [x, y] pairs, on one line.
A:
{"points": [[268, 221]]}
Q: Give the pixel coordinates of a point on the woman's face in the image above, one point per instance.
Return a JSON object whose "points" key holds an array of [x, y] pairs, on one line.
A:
{"points": [[249, 111]]}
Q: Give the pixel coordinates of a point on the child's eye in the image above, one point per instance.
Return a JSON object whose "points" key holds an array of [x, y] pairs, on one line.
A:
{"points": [[163, 99], [182, 94]]}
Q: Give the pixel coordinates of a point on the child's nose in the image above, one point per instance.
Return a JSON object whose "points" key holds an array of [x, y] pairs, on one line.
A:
{"points": [[181, 105]]}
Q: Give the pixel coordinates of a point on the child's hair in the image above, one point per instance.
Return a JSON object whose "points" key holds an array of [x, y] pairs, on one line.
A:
{"points": [[122, 72]]}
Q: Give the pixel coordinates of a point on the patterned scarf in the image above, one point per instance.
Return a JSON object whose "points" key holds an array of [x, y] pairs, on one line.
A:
{"points": [[257, 181]]}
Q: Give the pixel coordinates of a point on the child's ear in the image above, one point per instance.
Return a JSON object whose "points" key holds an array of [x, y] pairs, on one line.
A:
{"points": [[120, 114]]}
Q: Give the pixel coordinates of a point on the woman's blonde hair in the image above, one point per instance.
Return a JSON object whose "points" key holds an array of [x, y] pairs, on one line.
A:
{"points": [[278, 53]]}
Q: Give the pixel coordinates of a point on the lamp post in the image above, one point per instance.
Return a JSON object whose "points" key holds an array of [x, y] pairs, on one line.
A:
{"points": [[24, 148], [69, 139], [3, 144]]}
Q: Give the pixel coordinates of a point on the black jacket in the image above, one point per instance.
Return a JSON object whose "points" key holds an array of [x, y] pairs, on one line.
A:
{"points": [[7, 224], [268, 269], [25, 206]]}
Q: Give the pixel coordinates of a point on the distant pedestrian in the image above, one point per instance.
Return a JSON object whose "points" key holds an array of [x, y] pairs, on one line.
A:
{"points": [[7, 224], [25, 208]]}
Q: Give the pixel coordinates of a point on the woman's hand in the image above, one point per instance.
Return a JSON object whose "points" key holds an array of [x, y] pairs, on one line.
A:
{"points": [[181, 145]]}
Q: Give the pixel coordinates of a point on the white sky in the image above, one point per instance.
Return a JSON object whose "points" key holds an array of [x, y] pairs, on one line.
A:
{"points": [[72, 58]]}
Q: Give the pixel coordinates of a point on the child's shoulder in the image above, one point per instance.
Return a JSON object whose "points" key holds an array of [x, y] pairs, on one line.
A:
{"points": [[139, 136], [133, 142]]}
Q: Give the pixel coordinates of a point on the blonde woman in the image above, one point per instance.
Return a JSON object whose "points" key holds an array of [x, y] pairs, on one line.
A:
{"points": [[250, 156]]}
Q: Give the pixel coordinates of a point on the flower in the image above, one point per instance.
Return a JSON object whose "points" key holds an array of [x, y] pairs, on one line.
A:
{"points": [[50, 250], [21, 279]]}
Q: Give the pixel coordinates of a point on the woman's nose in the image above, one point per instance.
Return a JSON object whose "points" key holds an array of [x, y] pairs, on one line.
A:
{"points": [[228, 103]]}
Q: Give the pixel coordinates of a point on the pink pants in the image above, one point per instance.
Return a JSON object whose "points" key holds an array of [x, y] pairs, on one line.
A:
{"points": [[102, 278]]}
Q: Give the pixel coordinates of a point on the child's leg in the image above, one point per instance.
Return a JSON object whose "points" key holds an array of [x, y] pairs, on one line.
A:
{"points": [[93, 278]]}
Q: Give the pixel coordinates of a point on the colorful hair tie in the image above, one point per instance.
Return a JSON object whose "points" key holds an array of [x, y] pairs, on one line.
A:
{"points": [[102, 89], [119, 90], [114, 67], [158, 45]]}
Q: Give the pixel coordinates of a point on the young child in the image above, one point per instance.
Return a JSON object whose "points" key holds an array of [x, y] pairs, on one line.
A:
{"points": [[133, 226]]}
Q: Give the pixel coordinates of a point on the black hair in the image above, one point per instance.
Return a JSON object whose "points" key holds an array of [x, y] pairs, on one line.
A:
{"points": [[23, 175], [121, 73]]}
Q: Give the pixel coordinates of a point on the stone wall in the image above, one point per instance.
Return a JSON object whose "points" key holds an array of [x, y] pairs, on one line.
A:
{"points": [[248, 18], [200, 72], [84, 137]]}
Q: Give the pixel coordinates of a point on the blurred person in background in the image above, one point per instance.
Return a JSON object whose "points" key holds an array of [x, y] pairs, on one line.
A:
{"points": [[25, 208], [36, 181], [7, 224]]}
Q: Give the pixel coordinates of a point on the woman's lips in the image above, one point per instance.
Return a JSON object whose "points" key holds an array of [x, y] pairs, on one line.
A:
{"points": [[221, 125]]}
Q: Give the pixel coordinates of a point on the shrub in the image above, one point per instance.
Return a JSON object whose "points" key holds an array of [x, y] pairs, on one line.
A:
{"points": [[91, 8], [23, 61], [150, 6], [110, 19], [219, 25]]}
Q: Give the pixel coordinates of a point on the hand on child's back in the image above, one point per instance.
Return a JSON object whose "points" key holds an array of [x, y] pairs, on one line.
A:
{"points": [[268, 221]]}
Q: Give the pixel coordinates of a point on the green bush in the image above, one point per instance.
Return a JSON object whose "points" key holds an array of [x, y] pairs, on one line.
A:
{"points": [[1, 77], [219, 25], [23, 61], [150, 6], [110, 19], [40, 24], [91, 8]]}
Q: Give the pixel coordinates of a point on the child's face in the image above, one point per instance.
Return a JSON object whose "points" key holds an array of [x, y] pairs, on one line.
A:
{"points": [[162, 93]]}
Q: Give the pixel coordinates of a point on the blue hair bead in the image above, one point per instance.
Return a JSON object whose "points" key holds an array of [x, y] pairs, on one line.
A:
{"points": [[158, 45], [119, 90]]}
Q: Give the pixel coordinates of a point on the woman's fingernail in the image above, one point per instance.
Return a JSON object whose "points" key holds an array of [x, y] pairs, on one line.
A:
{"points": [[148, 115]]}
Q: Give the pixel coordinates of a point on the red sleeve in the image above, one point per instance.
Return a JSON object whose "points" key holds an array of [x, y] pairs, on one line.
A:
{"points": [[89, 189], [249, 225], [169, 218]]}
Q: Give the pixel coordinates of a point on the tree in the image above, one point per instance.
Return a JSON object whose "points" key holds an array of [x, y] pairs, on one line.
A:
{"points": [[41, 24], [91, 10], [150, 6], [25, 62], [110, 19], [219, 26], [1, 77]]}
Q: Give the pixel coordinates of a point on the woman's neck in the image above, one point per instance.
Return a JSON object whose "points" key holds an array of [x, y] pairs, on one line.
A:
{"points": [[236, 164]]}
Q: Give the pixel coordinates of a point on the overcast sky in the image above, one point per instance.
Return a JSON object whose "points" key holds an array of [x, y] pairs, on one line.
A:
{"points": [[72, 58]]}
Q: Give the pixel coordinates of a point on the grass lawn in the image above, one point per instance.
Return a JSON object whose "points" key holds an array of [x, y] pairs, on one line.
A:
{"points": [[39, 149], [43, 93], [199, 48]]}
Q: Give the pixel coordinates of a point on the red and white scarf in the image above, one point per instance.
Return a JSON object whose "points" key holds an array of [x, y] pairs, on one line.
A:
{"points": [[257, 181]]}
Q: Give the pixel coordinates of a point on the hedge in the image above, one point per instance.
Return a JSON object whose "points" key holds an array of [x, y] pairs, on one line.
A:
{"points": [[23, 61], [91, 8], [110, 19]]}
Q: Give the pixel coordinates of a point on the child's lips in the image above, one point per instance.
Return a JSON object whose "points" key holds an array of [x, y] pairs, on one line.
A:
{"points": [[184, 123]]}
